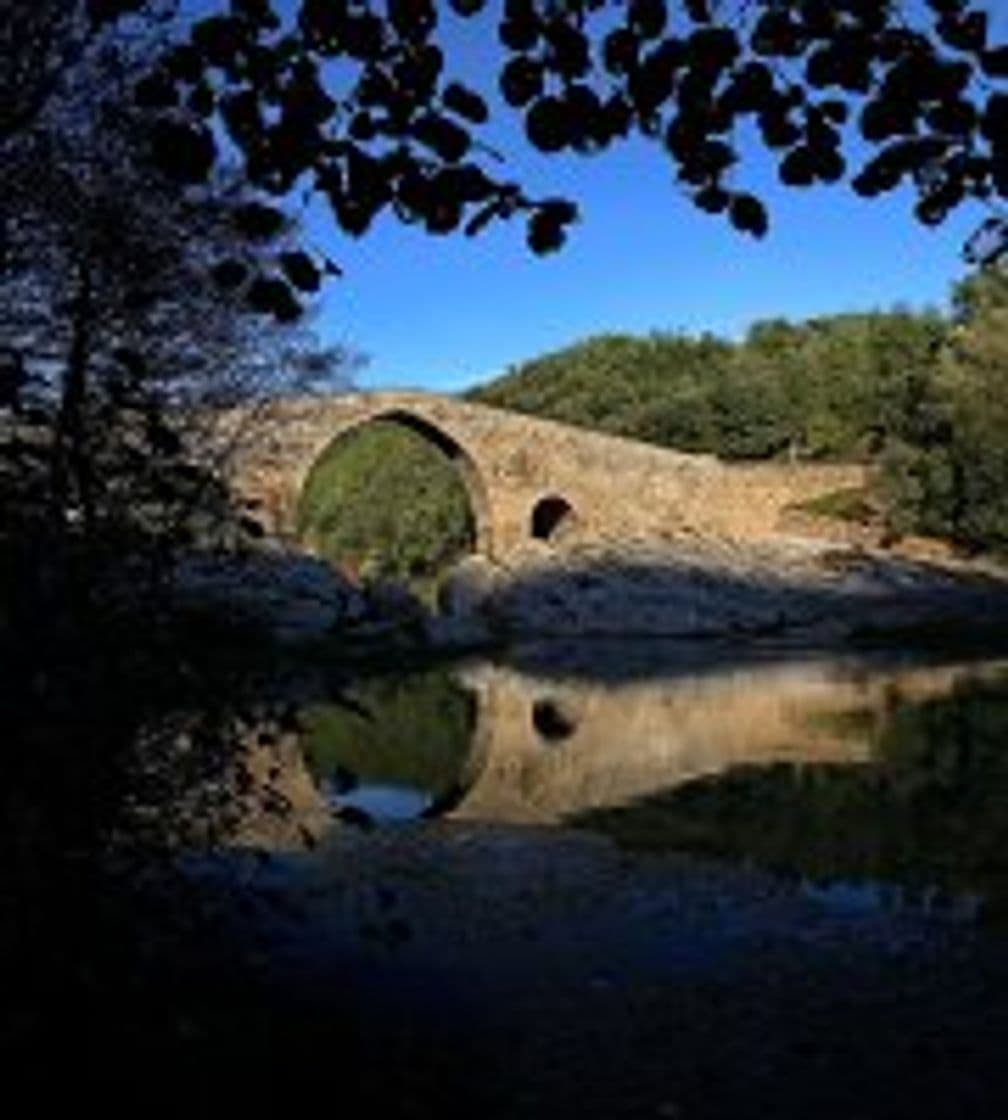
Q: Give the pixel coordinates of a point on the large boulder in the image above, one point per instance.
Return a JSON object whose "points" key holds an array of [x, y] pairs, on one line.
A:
{"points": [[292, 595], [469, 588]]}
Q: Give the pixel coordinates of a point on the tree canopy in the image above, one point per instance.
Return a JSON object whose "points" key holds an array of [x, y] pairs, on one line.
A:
{"points": [[361, 104], [832, 387]]}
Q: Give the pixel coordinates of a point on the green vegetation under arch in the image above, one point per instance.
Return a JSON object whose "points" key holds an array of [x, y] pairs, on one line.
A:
{"points": [[384, 502]]}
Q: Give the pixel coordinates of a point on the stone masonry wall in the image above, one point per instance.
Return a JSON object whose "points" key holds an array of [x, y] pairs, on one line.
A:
{"points": [[617, 488]]}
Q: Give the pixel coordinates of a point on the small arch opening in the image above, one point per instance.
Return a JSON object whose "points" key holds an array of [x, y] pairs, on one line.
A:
{"points": [[552, 721], [551, 518]]}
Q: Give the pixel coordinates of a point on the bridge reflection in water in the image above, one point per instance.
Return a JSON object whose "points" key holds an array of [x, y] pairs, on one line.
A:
{"points": [[554, 960], [496, 743]]}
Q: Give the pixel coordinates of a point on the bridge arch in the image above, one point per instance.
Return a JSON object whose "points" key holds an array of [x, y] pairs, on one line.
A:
{"points": [[551, 516], [508, 463], [452, 449]]}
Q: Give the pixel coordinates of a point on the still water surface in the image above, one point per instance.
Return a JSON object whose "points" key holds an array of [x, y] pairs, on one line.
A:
{"points": [[647, 882], [833, 769]]}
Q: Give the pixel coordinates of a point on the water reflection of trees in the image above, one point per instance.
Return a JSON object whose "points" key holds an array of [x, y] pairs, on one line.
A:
{"points": [[413, 731], [930, 809]]}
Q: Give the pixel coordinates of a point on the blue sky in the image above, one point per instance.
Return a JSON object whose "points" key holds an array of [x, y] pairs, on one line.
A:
{"points": [[445, 313]]}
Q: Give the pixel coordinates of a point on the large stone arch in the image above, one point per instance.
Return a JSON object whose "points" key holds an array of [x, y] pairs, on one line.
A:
{"points": [[460, 457]]}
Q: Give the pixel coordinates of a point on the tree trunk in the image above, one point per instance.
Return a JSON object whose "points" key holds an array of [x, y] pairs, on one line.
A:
{"points": [[73, 479]]}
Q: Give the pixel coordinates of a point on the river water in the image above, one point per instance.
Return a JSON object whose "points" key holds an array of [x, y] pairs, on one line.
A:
{"points": [[652, 880], [830, 768]]}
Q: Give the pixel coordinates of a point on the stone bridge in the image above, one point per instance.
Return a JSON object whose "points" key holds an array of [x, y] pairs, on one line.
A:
{"points": [[528, 478]]}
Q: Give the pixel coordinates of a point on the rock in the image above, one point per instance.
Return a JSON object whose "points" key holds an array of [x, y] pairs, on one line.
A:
{"points": [[691, 588], [469, 587], [389, 600], [293, 595]]}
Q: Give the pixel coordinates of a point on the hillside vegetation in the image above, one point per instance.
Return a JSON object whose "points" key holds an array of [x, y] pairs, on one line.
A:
{"points": [[834, 387], [923, 395]]}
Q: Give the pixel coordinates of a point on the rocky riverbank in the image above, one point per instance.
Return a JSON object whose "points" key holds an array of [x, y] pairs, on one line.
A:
{"points": [[789, 587], [692, 589]]}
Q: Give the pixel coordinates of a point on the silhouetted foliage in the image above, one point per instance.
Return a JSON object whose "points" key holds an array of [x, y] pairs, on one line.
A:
{"points": [[116, 345], [360, 105], [923, 94]]}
